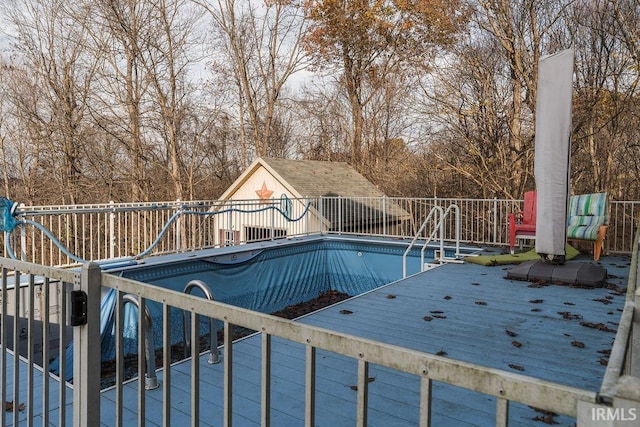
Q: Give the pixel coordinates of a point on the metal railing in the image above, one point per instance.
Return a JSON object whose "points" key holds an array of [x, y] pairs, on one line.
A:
{"points": [[505, 386], [437, 217], [434, 218], [214, 353], [116, 230], [146, 332], [625, 353]]}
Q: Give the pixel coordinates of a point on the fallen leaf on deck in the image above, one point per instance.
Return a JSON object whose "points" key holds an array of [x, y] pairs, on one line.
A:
{"points": [[568, 315], [598, 326], [8, 406]]}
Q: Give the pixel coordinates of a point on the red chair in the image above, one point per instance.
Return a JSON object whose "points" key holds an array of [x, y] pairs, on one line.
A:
{"points": [[523, 223]]}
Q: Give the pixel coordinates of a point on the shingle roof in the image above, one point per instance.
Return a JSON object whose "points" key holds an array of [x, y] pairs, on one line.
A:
{"points": [[319, 178], [312, 178]]}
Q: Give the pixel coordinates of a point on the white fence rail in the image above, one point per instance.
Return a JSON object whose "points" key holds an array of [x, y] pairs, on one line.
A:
{"points": [[116, 230], [43, 395]]}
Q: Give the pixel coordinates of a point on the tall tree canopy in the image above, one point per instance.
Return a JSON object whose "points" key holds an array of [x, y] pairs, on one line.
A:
{"points": [[369, 40]]}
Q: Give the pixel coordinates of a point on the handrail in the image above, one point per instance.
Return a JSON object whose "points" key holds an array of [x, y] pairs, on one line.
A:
{"points": [[150, 378], [440, 226], [435, 210], [214, 355], [623, 338]]}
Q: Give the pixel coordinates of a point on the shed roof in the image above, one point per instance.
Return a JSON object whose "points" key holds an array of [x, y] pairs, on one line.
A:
{"points": [[357, 204], [315, 178]]}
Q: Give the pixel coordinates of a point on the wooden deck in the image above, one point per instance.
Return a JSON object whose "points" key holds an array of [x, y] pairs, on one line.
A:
{"points": [[38, 395], [470, 312]]}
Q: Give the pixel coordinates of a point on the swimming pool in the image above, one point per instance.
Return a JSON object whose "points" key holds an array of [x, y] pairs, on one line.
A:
{"points": [[263, 276]]}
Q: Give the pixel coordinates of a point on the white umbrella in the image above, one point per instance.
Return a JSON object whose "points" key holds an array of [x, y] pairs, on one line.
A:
{"points": [[553, 153]]}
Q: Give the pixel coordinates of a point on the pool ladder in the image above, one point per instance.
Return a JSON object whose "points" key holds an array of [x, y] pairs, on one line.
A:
{"points": [[437, 217], [150, 378], [214, 354]]}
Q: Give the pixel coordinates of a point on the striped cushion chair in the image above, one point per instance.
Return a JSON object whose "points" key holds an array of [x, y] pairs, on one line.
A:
{"points": [[589, 219]]}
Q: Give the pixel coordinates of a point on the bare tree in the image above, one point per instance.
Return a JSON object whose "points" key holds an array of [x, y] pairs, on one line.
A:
{"points": [[262, 45], [52, 49], [627, 15], [605, 97], [469, 99], [166, 59], [366, 42]]}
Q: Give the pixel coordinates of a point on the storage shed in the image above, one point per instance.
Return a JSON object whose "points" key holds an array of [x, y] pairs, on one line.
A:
{"points": [[309, 196]]}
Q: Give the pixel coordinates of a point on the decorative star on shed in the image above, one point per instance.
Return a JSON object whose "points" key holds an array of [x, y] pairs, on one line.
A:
{"points": [[264, 193]]}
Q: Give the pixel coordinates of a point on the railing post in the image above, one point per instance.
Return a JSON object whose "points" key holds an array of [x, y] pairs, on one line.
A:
{"points": [[634, 354], [230, 223], [495, 220], [340, 219], [320, 216], [384, 215], [178, 244], [86, 349], [23, 243], [273, 220], [112, 231], [306, 216], [502, 412]]}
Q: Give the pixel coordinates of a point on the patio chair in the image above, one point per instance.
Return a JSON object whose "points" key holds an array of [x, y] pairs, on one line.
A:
{"points": [[589, 219], [523, 224]]}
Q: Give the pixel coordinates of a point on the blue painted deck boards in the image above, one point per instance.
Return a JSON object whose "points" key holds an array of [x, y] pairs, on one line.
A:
{"points": [[38, 379], [470, 332]]}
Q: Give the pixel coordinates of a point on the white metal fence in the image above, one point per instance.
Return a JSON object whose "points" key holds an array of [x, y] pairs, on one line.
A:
{"points": [[115, 230], [42, 395]]}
